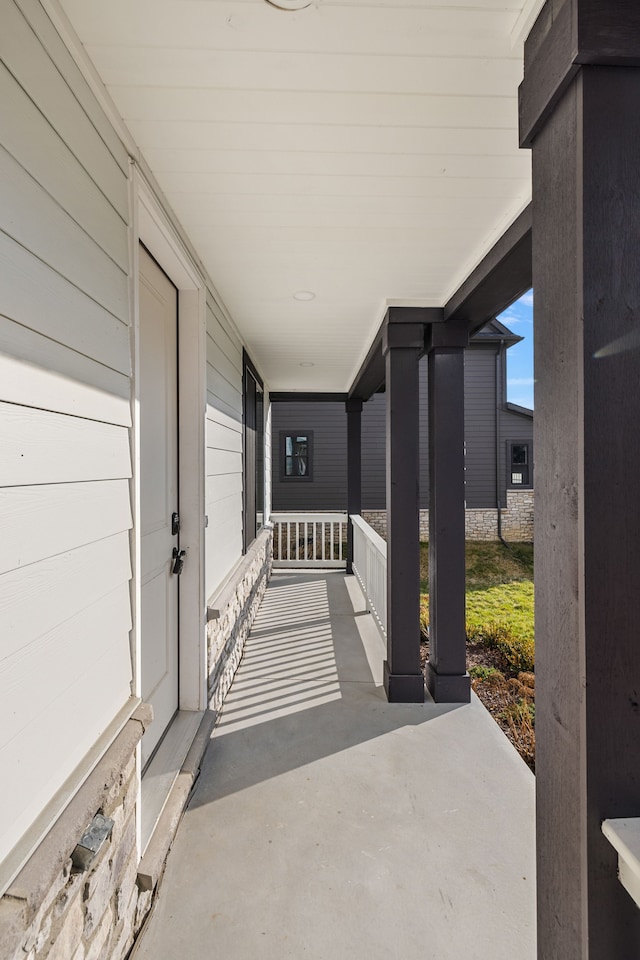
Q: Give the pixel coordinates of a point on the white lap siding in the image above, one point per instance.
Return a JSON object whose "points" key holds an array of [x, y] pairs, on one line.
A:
{"points": [[224, 485], [65, 464]]}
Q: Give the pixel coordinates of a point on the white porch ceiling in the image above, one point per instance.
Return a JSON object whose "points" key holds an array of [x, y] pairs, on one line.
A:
{"points": [[366, 151]]}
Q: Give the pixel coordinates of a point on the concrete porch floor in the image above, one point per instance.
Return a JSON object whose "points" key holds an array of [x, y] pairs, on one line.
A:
{"points": [[327, 823]]}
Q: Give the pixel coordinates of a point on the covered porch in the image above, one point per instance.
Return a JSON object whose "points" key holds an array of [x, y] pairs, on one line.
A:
{"points": [[327, 822]]}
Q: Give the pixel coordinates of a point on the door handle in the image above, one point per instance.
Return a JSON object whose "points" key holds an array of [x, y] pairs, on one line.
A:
{"points": [[178, 561]]}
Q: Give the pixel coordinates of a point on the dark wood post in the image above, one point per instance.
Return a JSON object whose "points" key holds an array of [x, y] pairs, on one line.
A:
{"points": [[402, 345], [579, 113], [354, 470], [447, 677]]}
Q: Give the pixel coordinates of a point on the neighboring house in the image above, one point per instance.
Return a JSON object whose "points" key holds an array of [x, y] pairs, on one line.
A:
{"points": [[309, 440]]}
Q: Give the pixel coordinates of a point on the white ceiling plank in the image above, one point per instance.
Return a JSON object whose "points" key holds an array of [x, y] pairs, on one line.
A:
{"points": [[323, 164], [373, 186], [312, 138], [366, 150], [289, 107], [410, 31], [326, 72]]}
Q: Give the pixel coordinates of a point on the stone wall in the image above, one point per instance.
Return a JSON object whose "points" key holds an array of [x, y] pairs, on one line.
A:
{"points": [[480, 524], [53, 911], [231, 613], [517, 518]]}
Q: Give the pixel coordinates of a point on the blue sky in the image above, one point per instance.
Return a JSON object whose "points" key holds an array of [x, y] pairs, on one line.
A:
{"points": [[519, 318]]}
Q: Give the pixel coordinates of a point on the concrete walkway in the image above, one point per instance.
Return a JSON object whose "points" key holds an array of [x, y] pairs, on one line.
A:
{"points": [[329, 824]]}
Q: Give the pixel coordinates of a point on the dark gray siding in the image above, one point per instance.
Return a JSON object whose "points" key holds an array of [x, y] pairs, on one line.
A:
{"points": [[513, 427], [480, 425], [374, 419], [328, 488]]}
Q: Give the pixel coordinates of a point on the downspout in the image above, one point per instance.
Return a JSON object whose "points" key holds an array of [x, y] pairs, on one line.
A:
{"points": [[499, 364]]}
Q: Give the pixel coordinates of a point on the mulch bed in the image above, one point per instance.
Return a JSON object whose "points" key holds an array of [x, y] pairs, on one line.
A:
{"points": [[505, 695]]}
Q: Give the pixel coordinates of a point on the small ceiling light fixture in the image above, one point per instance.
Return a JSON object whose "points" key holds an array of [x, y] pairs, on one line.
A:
{"points": [[307, 363], [304, 295], [290, 4]]}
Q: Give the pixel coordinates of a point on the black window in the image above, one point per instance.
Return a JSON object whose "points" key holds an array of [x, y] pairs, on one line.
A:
{"points": [[520, 474], [296, 455]]}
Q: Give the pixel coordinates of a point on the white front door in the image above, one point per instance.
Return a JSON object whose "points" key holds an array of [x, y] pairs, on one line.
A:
{"points": [[158, 345]]}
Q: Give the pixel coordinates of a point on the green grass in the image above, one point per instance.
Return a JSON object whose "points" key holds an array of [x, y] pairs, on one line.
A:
{"points": [[499, 599]]}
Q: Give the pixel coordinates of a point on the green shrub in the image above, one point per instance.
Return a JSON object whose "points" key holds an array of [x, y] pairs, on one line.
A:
{"points": [[517, 649], [480, 672]]}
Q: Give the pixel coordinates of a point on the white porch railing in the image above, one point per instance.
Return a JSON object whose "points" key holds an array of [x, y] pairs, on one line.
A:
{"points": [[309, 539], [370, 567]]}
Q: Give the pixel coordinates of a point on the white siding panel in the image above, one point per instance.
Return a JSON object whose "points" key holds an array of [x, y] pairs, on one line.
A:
{"points": [[41, 447], [50, 39], [37, 296], [21, 51], [68, 695], [222, 334], [220, 511], [38, 372], [222, 551], [32, 141], [224, 449], [224, 462], [223, 390], [36, 599], [41, 521], [222, 437], [34, 219], [226, 365], [221, 487]]}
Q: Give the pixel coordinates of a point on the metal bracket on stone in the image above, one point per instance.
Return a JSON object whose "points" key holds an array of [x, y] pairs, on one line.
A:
{"points": [[91, 842]]}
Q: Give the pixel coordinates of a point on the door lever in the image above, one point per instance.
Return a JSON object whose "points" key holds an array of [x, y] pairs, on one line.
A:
{"points": [[178, 561]]}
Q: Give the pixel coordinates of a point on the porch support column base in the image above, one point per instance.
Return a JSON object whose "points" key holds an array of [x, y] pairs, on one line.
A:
{"points": [[403, 688], [454, 688]]}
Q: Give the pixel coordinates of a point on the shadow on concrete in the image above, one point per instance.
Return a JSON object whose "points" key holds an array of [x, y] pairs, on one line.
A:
{"points": [[304, 689]]}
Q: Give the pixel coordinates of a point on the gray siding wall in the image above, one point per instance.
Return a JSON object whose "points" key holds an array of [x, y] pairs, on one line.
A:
{"points": [[480, 425], [328, 489], [513, 427]]}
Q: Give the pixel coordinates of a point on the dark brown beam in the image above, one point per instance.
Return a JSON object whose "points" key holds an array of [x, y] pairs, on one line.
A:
{"points": [[447, 677], [292, 397], [586, 207], [371, 376], [502, 276], [402, 346], [564, 37]]}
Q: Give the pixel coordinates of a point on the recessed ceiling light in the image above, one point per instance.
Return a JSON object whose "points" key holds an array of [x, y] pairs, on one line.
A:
{"points": [[304, 295], [290, 4], [307, 363]]}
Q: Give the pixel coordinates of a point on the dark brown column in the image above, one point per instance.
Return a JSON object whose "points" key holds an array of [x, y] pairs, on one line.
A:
{"points": [[402, 345], [447, 677], [354, 470], [580, 114]]}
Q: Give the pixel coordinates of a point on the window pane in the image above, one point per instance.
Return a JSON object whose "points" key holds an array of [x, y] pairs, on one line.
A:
{"points": [[288, 466], [519, 453], [516, 478], [288, 446]]}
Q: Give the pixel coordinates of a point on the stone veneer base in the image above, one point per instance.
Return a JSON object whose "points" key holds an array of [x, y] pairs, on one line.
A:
{"points": [[480, 524], [53, 912], [232, 611]]}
